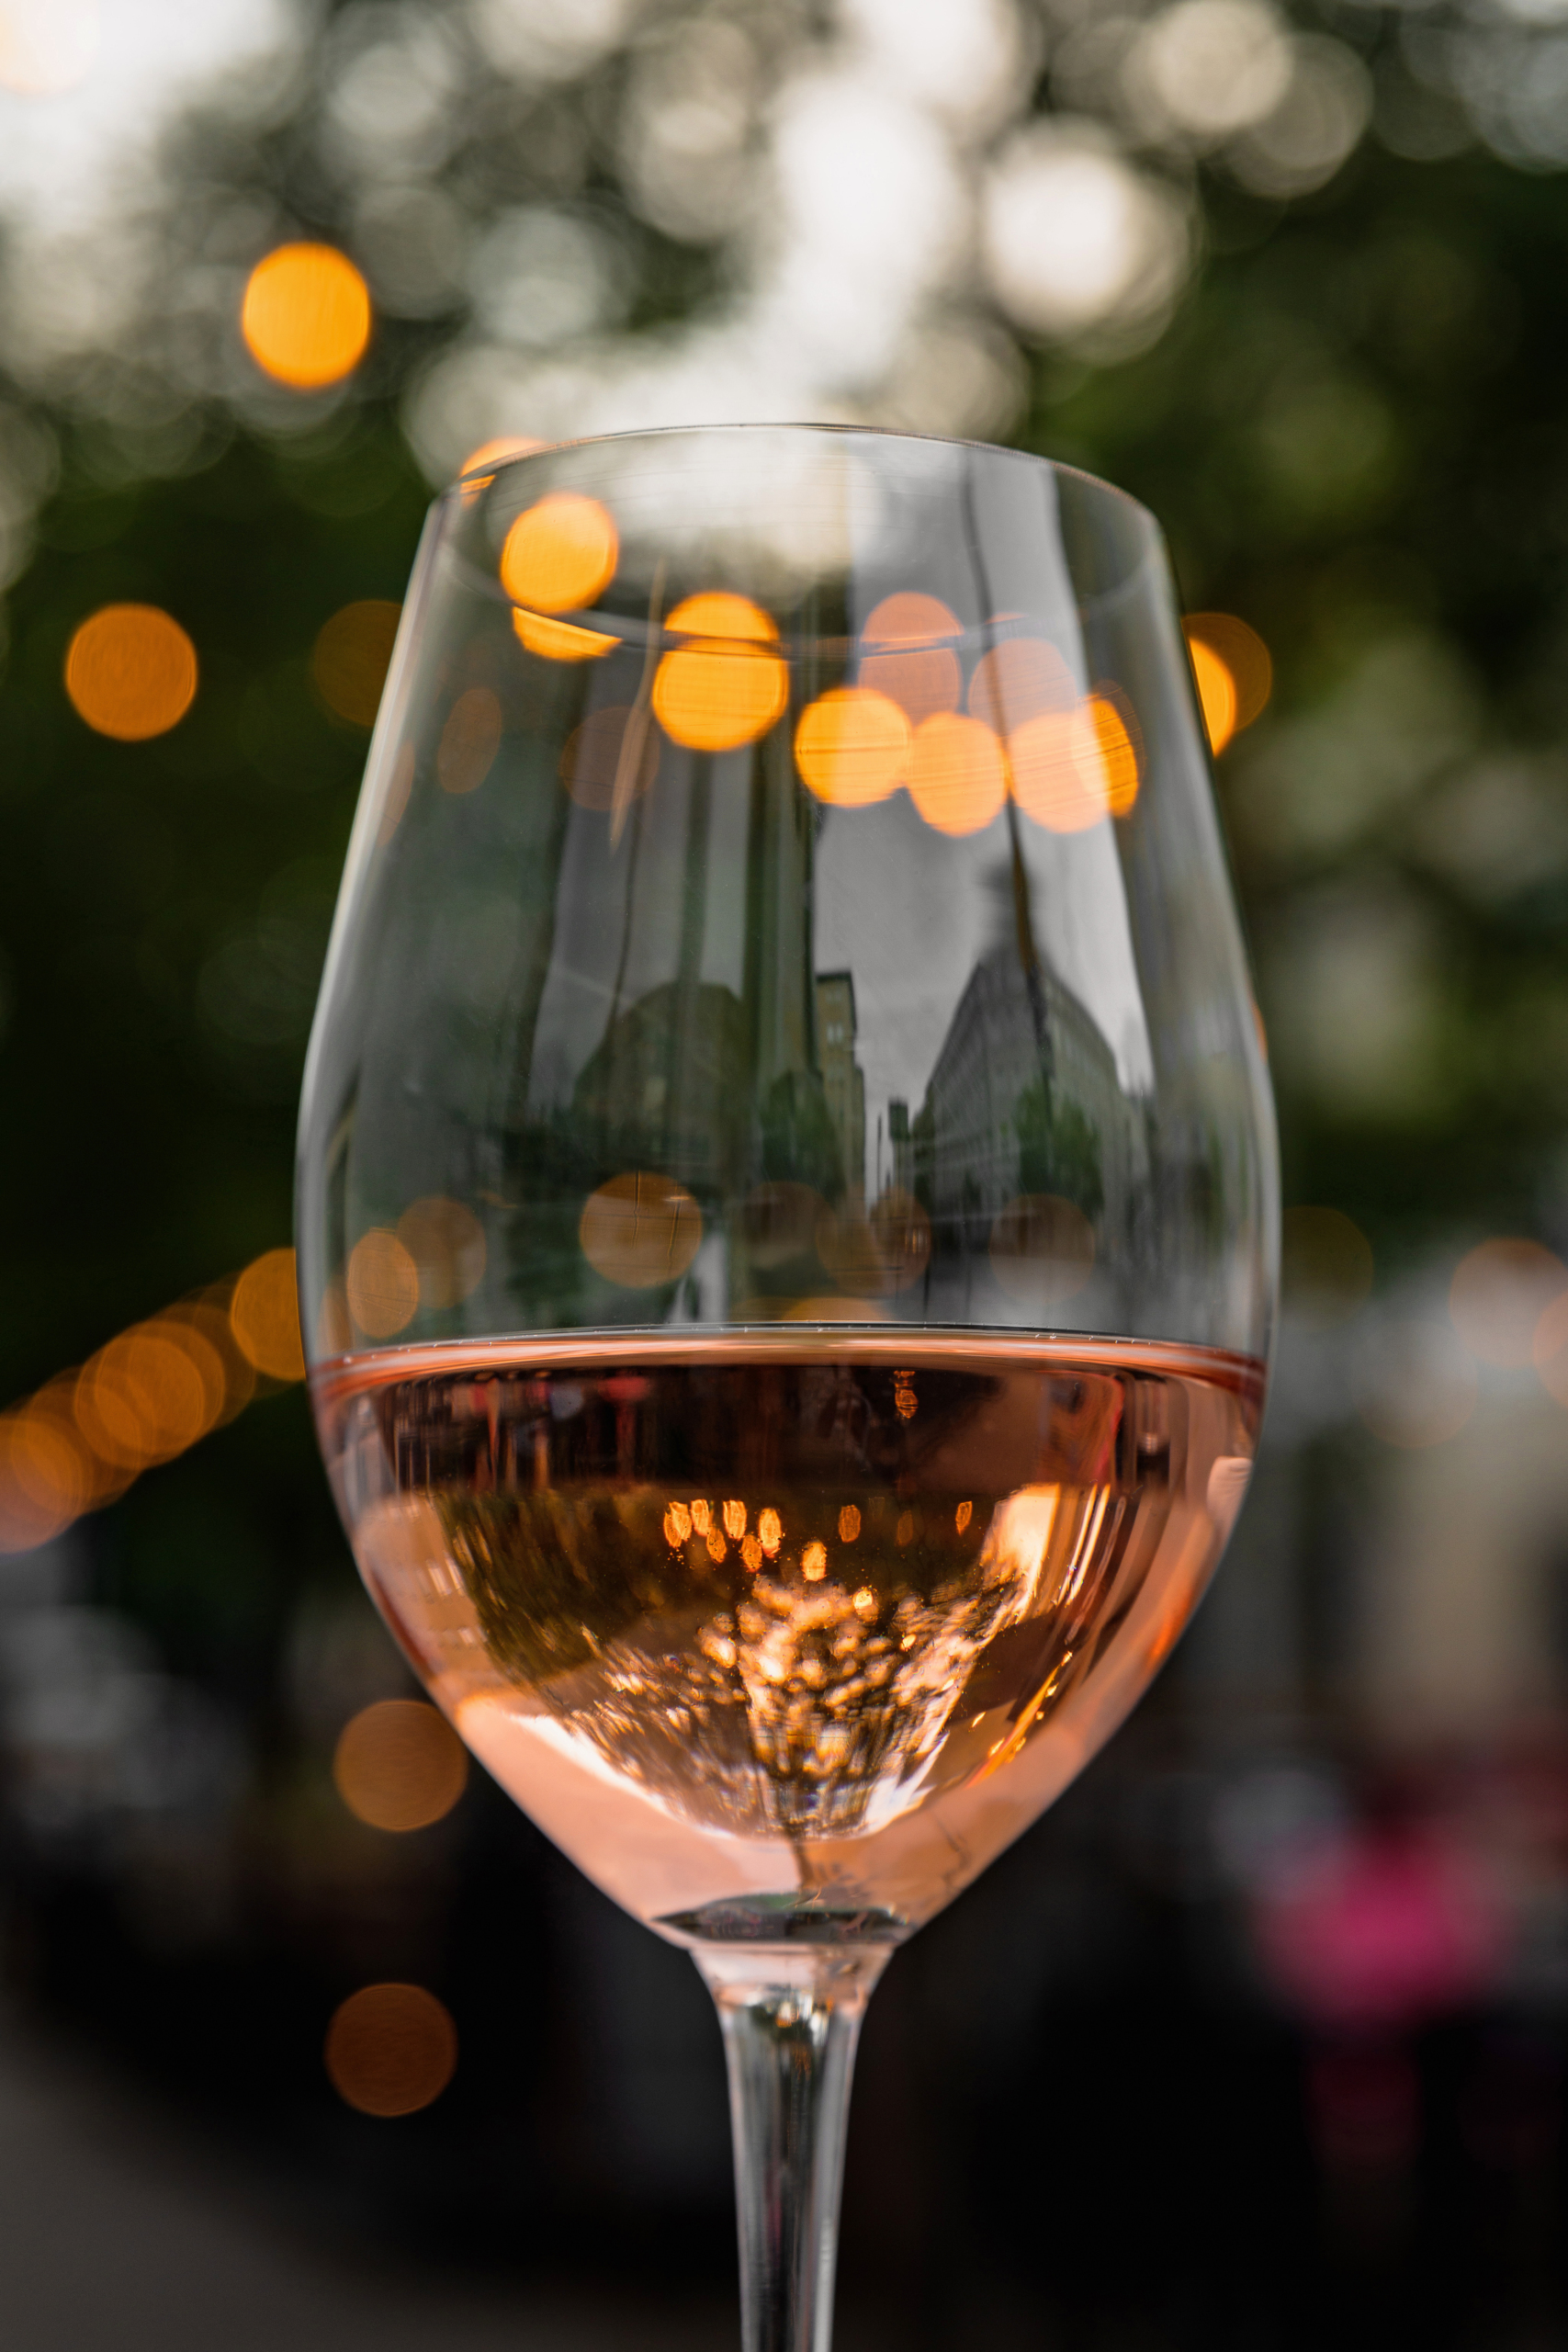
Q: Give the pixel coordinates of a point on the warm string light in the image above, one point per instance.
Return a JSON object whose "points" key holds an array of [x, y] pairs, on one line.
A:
{"points": [[350, 658], [1067, 759], [146, 1397], [130, 672], [1232, 672], [400, 1766], [306, 316], [434, 1258], [390, 2048]]}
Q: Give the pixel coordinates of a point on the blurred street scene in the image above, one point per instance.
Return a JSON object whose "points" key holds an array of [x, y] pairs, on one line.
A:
{"points": [[1262, 2038]]}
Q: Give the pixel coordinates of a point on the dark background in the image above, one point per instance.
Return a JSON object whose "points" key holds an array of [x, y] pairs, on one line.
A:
{"points": [[1119, 2097]]}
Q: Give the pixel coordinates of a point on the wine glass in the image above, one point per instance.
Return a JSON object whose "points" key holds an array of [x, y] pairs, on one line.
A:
{"points": [[788, 1198]]}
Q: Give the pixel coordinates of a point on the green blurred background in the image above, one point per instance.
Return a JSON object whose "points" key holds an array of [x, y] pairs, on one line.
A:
{"points": [[1300, 281]]}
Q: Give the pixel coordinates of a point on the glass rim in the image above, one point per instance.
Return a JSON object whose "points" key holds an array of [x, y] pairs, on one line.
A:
{"points": [[625, 629]]}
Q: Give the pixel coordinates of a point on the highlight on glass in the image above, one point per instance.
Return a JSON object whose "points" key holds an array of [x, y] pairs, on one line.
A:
{"points": [[787, 1207]]}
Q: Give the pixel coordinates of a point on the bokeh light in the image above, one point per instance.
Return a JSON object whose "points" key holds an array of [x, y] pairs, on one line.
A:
{"points": [[599, 762], [728, 688], [131, 671], [1075, 237], [1216, 694], [1041, 1250], [560, 554], [902, 657], [469, 740], [390, 2048], [351, 656], [148, 1394], [1052, 781], [381, 1285], [264, 1315], [1235, 643], [398, 1765], [211, 1318], [852, 746], [1213, 67], [1021, 679], [1414, 1382], [1070, 771], [447, 1243], [1326, 1266], [46, 1476], [640, 1229], [145, 1396], [561, 640], [497, 452], [1498, 1295], [47, 46], [1106, 740], [306, 316], [958, 776]]}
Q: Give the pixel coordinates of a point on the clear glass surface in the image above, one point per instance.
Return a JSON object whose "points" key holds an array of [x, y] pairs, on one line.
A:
{"points": [[787, 1200]]}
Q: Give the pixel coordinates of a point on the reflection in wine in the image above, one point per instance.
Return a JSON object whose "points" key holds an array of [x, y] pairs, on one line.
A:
{"points": [[767, 1634]]}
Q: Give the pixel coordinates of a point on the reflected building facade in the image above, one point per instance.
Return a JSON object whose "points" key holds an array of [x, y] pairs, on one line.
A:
{"points": [[1025, 1097], [844, 1081]]}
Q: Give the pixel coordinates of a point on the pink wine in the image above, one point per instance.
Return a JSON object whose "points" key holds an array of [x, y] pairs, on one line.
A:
{"points": [[785, 1639]]}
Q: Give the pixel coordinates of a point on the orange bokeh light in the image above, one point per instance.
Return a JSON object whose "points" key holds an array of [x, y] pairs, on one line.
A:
{"points": [[958, 777], [560, 554], [264, 1315], [149, 1394], [1244, 654], [560, 640], [1022, 678], [900, 660], [398, 1765], [130, 672], [1070, 769], [640, 1229], [1053, 781], [728, 687], [852, 746], [382, 1284], [600, 760], [498, 452], [47, 1474], [446, 1242], [1108, 744], [1216, 694], [306, 316], [351, 655], [390, 2048], [144, 1397], [469, 740]]}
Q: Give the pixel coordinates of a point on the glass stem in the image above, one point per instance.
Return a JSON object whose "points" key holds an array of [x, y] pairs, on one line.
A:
{"points": [[791, 2021]]}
